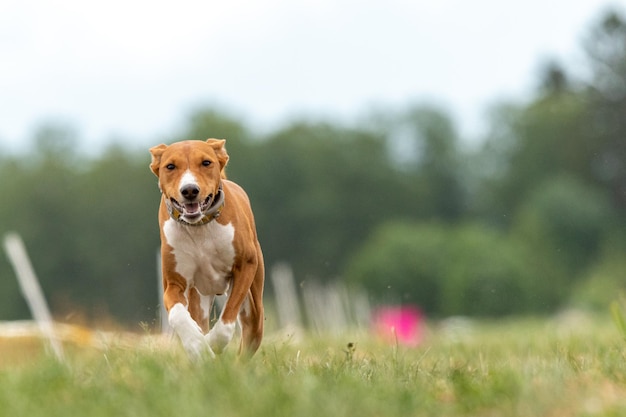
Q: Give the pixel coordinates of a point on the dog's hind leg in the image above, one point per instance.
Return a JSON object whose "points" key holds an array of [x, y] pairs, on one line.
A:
{"points": [[251, 320], [251, 316]]}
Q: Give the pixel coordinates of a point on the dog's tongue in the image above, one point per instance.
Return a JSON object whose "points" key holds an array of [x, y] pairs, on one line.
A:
{"points": [[192, 208]]}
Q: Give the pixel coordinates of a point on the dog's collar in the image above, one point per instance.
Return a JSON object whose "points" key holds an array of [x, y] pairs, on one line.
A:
{"points": [[211, 214]]}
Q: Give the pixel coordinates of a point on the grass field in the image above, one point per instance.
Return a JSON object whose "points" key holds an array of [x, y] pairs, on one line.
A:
{"points": [[560, 367]]}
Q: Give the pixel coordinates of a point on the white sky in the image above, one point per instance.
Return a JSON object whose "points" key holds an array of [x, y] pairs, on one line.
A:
{"points": [[136, 68]]}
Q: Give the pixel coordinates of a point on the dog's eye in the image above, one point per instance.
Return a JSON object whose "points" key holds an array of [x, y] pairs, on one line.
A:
{"points": [[206, 163], [170, 166]]}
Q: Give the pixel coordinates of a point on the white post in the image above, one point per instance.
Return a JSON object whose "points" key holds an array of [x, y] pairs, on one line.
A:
{"points": [[287, 304], [14, 247]]}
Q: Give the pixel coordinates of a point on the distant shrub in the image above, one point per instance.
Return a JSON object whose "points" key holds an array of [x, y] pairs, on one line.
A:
{"points": [[604, 282], [466, 270], [567, 218], [402, 263]]}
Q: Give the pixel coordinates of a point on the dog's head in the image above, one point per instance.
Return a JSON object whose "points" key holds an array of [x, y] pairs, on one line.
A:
{"points": [[190, 173]]}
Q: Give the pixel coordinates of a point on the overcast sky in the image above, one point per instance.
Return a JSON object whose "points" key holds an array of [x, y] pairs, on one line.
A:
{"points": [[135, 69]]}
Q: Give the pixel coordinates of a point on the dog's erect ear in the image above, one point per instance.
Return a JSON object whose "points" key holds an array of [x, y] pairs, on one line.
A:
{"points": [[157, 152], [220, 151]]}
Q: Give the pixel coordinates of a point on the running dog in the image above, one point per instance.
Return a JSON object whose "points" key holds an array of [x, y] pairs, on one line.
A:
{"points": [[209, 247]]}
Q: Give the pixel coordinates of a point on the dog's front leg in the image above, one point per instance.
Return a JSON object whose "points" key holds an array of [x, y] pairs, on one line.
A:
{"points": [[188, 331], [222, 332], [220, 335]]}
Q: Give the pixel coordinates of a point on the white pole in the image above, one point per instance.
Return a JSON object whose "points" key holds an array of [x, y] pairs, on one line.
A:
{"points": [[16, 251], [287, 303]]}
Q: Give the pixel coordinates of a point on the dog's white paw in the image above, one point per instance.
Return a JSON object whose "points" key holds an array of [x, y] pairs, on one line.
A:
{"points": [[220, 335], [189, 333], [197, 348]]}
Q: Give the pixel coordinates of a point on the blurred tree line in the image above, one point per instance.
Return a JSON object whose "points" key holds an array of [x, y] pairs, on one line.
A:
{"points": [[531, 221]]}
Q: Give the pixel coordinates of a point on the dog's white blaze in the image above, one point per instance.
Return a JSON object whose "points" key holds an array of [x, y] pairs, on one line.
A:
{"points": [[188, 331], [219, 336], [187, 179]]}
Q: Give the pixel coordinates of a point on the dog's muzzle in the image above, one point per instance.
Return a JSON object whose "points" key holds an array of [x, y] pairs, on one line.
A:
{"points": [[192, 210], [197, 213]]}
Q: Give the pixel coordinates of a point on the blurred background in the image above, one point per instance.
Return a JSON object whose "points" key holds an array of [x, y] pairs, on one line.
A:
{"points": [[467, 159]]}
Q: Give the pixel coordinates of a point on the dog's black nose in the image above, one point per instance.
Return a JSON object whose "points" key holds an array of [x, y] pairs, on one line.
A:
{"points": [[190, 191]]}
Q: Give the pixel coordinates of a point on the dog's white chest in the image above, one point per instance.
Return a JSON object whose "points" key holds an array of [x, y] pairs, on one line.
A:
{"points": [[204, 254]]}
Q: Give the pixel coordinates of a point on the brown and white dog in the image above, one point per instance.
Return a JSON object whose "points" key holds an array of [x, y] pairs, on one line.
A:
{"points": [[209, 247]]}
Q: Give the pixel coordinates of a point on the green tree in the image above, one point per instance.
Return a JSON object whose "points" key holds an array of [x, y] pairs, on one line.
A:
{"points": [[606, 52], [117, 236], [567, 219], [403, 263], [42, 205], [318, 191], [490, 274], [468, 270], [426, 148], [12, 305], [604, 281], [528, 145], [90, 229]]}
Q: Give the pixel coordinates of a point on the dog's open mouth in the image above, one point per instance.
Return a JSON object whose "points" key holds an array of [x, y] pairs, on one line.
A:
{"points": [[193, 210]]}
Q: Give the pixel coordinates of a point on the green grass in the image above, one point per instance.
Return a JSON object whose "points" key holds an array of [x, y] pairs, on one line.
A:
{"points": [[505, 368]]}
